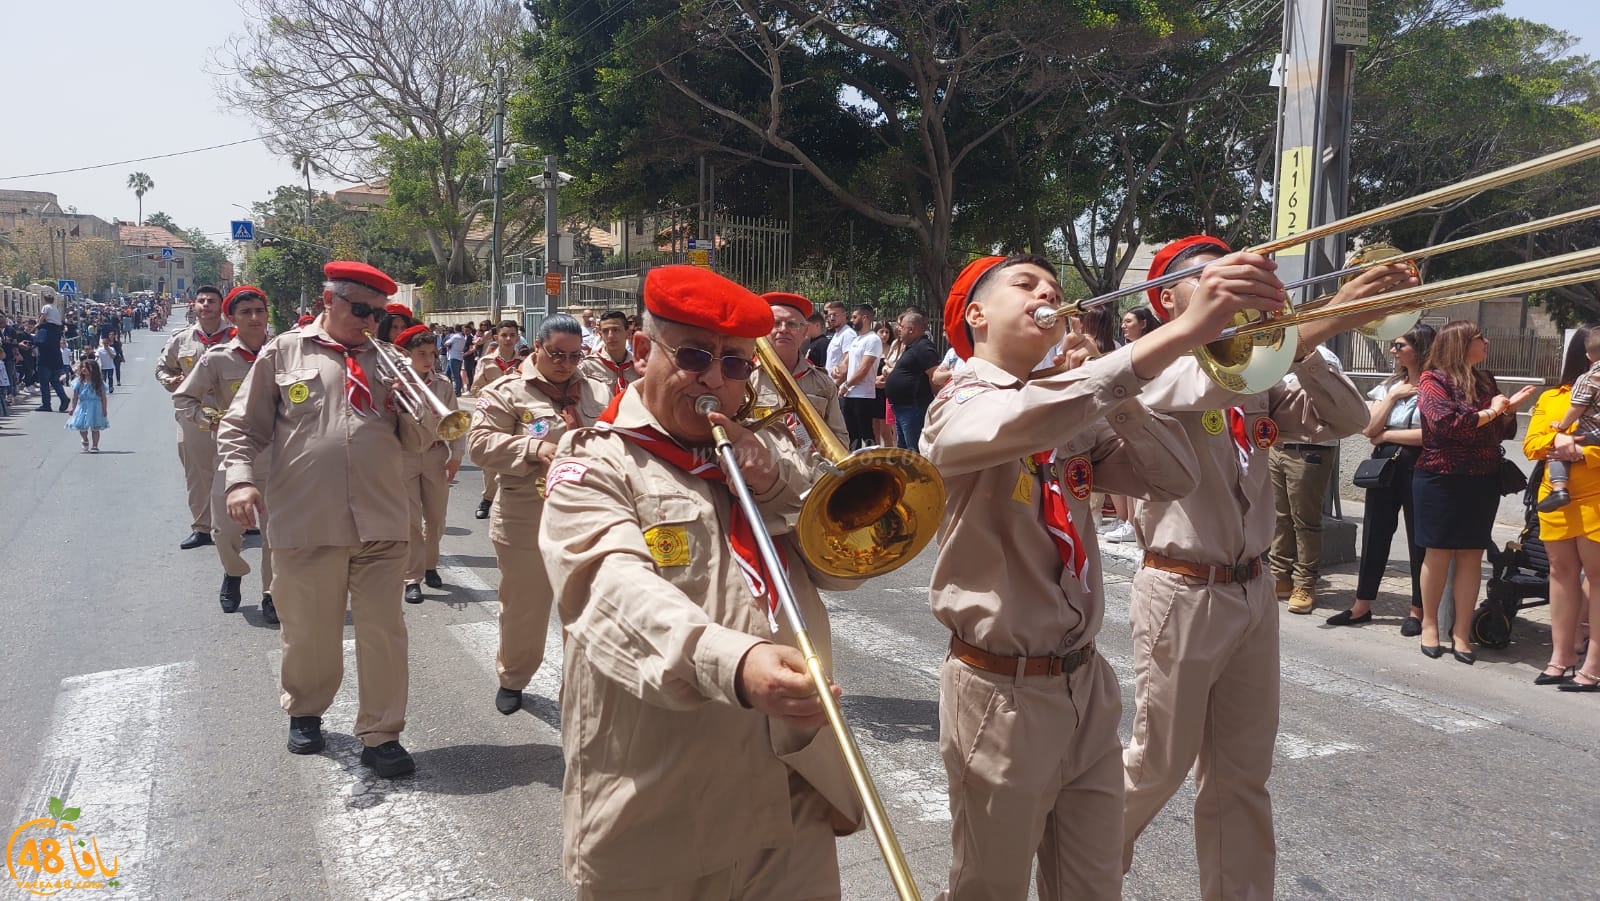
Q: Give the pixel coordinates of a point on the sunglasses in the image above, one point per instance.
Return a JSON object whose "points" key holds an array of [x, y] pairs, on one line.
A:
{"points": [[693, 359], [1399, 345], [362, 310], [557, 356]]}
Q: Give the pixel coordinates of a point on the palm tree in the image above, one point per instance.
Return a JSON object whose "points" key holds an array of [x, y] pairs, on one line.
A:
{"points": [[139, 183], [301, 161]]}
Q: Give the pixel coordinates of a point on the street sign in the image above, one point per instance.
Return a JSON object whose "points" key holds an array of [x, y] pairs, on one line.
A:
{"points": [[66, 286], [701, 258], [1350, 23], [693, 243], [552, 284], [243, 230], [166, 253]]}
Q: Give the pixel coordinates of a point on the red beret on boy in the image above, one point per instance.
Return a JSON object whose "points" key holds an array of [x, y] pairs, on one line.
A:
{"points": [[306, 319], [702, 298], [235, 294], [785, 299], [1163, 259], [404, 338], [361, 274], [955, 306]]}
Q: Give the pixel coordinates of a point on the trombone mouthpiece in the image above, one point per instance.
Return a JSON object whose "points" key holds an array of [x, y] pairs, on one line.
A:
{"points": [[1046, 317], [707, 404]]}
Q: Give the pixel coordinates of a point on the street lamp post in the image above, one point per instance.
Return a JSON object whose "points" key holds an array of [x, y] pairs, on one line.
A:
{"points": [[501, 163]]}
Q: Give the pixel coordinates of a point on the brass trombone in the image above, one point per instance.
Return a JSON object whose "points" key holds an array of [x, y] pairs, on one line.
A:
{"points": [[414, 394]]}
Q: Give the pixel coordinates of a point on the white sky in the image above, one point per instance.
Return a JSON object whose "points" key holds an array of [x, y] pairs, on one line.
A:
{"points": [[87, 82]]}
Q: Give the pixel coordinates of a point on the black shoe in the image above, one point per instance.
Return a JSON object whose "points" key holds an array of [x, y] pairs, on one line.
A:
{"points": [[195, 539], [269, 611], [388, 760], [1343, 618], [229, 595], [1575, 685], [1554, 501], [432, 580], [413, 593], [1466, 657], [1411, 628], [48, 410], [1545, 678], [508, 701], [305, 735], [483, 510], [1432, 651], [252, 531]]}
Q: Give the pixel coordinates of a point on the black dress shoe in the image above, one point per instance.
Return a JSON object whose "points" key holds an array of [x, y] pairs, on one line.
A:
{"points": [[305, 735], [252, 531], [229, 595], [195, 539], [483, 510], [1466, 657], [269, 611], [1574, 685], [1545, 678], [1432, 651], [508, 701], [432, 580], [413, 593], [1411, 628], [1343, 618], [388, 760]]}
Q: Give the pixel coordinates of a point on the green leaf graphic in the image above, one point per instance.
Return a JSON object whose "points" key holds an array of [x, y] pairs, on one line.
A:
{"points": [[70, 814], [55, 807], [80, 843]]}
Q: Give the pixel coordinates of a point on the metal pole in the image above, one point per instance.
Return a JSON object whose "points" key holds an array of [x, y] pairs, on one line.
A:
{"points": [[788, 263], [499, 174], [551, 228]]}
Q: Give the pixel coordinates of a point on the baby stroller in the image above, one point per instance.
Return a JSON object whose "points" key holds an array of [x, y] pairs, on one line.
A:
{"points": [[1520, 574]]}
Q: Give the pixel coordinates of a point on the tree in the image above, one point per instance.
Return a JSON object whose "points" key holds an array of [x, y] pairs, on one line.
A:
{"points": [[162, 220], [140, 184], [339, 84]]}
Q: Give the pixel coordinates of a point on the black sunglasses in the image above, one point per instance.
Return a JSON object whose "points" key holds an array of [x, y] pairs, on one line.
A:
{"points": [[696, 360], [362, 310], [562, 358]]}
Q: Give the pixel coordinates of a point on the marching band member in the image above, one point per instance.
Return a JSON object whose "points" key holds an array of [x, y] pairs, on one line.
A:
{"points": [[1028, 712], [339, 525], [790, 313], [513, 437], [197, 448], [698, 770], [1205, 617], [428, 474], [611, 361], [213, 384], [492, 368], [397, 317]]}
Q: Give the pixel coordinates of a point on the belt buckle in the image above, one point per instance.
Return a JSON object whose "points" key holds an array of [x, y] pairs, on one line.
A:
{"points": [[1241, 573]]}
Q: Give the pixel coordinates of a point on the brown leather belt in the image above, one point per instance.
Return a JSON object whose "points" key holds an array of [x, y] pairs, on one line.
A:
{"points": [[1239, 572], [978, 658]]}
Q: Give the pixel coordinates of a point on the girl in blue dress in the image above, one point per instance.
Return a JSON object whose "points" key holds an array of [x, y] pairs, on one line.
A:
{"points": [[88, 405]]}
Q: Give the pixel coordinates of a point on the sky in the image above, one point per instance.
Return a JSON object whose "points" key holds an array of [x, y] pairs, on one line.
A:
{"points": [[90, 82]]}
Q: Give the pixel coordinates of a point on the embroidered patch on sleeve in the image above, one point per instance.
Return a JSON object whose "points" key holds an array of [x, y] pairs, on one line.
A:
{"points": [[1079, 476], [1264, 431], [967, 393], [564, 472]]}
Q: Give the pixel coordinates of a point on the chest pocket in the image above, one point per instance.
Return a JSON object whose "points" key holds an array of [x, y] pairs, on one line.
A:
{"points": [[300, 392], [676, 538]]}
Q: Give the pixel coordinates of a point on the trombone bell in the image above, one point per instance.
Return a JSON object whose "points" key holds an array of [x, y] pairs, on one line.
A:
{"points": [[1250, 364], [1394, 325]]}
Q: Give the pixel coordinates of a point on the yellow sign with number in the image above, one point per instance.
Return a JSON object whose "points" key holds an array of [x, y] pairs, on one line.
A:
{"points": [[1294, 197]]}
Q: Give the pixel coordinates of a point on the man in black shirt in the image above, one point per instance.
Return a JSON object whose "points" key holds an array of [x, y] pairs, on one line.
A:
{"points": [[907, 388]]}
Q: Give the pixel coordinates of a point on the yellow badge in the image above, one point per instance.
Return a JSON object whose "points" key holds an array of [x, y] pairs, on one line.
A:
{"points": [[234, 388], [298, 392], [1023, 493], [1213, 422], [527, 416], [669, 545], [186, 363]]}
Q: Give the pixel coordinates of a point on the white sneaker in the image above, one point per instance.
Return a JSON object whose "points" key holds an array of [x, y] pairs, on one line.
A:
{"points": [[1110, 525], [1121, 534]]}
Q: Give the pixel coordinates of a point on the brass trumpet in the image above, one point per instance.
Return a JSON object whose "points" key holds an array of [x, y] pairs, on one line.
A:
{"points": [[414, 394]]}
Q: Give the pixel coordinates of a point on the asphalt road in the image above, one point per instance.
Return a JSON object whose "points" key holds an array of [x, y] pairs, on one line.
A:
{"points": [[132, 696]]}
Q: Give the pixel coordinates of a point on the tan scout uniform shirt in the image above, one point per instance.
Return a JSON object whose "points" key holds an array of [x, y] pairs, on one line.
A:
{"points": [[335, 476], [1033, 606], [818, 388], [1230, 519], [513, 419], [490, 370], [668, 776], [182, 351], [214, 382], [595, 369], [438, 453]]}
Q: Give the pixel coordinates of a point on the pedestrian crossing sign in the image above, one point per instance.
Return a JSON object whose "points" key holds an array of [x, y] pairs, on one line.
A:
{"points": [[243, 230]]}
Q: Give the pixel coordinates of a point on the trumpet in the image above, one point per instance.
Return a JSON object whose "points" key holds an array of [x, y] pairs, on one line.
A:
{"points": [[414, 394]]}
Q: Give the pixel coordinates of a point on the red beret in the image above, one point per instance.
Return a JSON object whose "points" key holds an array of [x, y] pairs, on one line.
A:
{"points": [[404, 338], [235, 294], [785, 299], [361, 274], [955, 306], [701, 298], [399, 309], [1164, 256], [307, 319]]}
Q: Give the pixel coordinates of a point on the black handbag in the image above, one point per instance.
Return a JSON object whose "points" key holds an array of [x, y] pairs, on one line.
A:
{"points": [[1375, 472], [1512, 479]]}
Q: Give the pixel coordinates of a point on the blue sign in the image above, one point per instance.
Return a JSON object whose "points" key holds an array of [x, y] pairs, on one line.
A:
{"points": [[243, 230], [66, 286], [166, 253], [693, 244]]}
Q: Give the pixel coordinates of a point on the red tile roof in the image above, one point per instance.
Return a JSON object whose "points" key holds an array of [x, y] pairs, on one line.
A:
{"points": [[150, 236]]}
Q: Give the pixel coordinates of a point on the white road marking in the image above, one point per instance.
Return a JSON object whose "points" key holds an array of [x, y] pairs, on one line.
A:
{"points": [[106, 740], [1297, 747], [482, 641], [1384, 699]]}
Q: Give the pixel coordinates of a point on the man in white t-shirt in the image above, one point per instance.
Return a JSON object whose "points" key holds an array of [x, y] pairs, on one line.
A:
{"points": [[455, 355], [858, 392], [835, 313]]}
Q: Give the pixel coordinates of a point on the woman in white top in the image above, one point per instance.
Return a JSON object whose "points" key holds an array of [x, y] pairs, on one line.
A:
{"points": [[1395, 431]]}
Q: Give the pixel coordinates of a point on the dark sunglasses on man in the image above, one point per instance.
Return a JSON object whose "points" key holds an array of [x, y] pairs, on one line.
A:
{"points": [[697, 360], [362, 310]]}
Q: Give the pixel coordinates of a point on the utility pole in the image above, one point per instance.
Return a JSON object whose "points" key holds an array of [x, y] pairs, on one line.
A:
{"points": [[552, 232], [500, 166]]}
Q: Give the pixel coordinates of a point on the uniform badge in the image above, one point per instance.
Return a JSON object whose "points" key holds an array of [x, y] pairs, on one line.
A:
{"points": [[1023, 492], [963, 395], [564, 472], [298, 392], [1213, 422], [539, 427], [1264, 431], [669, 545], [526, 417], [1079, 477], [186, 363], [235, 386]]}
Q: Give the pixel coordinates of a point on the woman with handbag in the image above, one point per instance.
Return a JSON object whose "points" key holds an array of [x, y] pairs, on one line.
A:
{"points": [[1456, 482], [1571, 533], [1396, 434]]}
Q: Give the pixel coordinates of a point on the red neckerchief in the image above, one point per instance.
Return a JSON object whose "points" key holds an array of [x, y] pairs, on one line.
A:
{"points": [[1241, 438], [791, 421], [741, 537], [356, 387], [245, 352], [225, 333], [620, 369], [565, 398], [1058, 519], [505, 366]]}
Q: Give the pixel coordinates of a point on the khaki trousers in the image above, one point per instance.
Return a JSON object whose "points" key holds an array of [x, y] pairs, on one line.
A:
{"points": [[312, 587], [525, 600], [490, 486], [1205, 662], [1299, 487], [1035, 769], [197, 451], [805, 870], [430, 496], [229, 536]]}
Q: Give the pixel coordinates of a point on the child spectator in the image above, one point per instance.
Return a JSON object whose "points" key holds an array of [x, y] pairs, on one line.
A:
{"points": [[106, 356], [88, 406]]}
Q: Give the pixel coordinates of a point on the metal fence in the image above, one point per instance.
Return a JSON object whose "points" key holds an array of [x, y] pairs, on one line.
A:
{"points": [[1514, 355], [752, 250]]}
